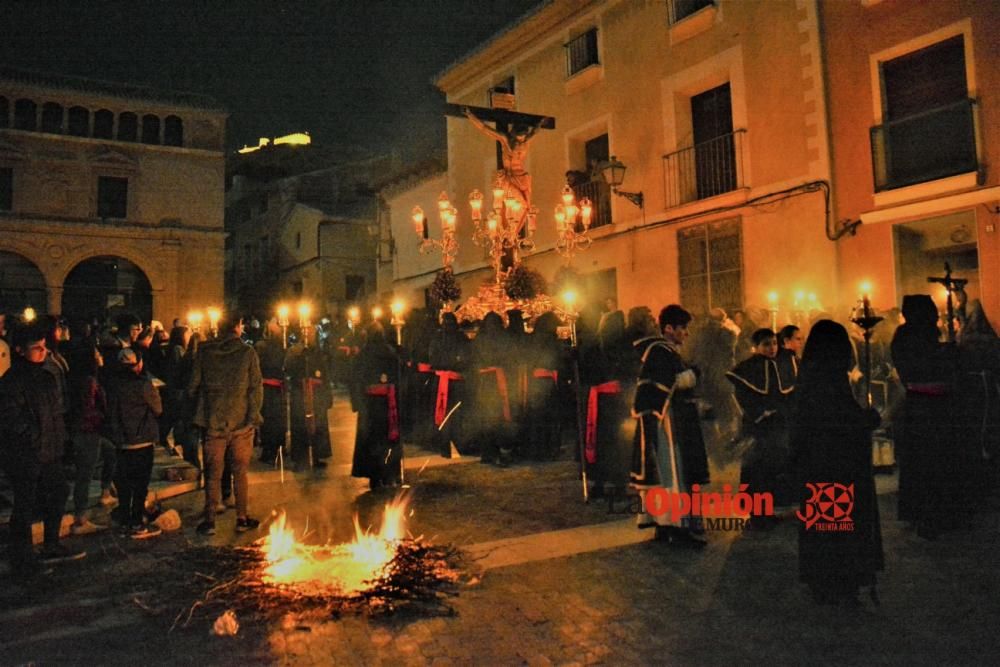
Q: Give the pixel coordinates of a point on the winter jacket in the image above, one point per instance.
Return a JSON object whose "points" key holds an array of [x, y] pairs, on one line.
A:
{"points": [[226, 386], [32, 424], [133, 406]]}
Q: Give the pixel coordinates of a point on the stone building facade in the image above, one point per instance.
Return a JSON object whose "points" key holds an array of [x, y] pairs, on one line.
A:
{"points": [[717, 109], [111, 198], [914, 92]]}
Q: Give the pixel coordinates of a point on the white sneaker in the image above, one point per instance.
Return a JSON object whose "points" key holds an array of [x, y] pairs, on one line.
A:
{"points": [[86, 528]]}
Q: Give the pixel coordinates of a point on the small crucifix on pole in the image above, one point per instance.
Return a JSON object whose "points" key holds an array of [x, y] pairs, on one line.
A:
{"points": [[953, 286]]}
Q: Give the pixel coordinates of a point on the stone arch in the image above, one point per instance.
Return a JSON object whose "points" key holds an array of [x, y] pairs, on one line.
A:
{"points": [[105, 285], [22, 283], [110, 248]]}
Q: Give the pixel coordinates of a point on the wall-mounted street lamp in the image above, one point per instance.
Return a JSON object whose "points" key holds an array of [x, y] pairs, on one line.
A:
{"points": [[614, 175]]}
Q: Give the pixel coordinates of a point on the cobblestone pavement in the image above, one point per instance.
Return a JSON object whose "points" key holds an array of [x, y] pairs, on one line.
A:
{"points": [[737, 601]]}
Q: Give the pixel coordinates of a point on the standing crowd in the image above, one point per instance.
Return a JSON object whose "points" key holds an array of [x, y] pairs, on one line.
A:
{"points": [[645, 403]]}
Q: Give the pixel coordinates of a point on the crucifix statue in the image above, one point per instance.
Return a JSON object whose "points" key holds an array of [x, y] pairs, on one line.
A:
{"points": [[953, 286], [513, 133]]}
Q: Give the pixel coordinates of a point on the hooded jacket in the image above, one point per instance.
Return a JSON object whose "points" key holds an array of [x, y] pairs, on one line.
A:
{"points": [[133, 406], [226, 387], [32, 426]]}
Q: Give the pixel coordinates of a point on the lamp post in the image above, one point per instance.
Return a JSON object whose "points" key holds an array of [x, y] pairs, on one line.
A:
{"points": [[614, 175]]}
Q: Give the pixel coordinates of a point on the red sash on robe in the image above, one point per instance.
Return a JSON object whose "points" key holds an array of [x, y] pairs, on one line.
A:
{"points": [[389, 391], [928, 388], [542, 373], [501, 388], [441, 403], [424, 367], [590, 440], [271, 382]]}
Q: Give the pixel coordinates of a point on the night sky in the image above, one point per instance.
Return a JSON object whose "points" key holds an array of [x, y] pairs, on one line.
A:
{"points": [[349, 72]]}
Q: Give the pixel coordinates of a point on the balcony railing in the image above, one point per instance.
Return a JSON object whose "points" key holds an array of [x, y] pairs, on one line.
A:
{"points": [[704, 170], [599, 194], [681, 9], [924, 147]]}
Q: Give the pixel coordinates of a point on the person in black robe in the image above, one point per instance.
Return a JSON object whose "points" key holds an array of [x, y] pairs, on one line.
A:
{"points": [[378, 450], [607, 394], [542, 410], [668, 448], [271, 352], [840, 545], [449, 356], [762, 391], [309, 370], [422, 379], [516, 349], [926, 445], [492, 423]]}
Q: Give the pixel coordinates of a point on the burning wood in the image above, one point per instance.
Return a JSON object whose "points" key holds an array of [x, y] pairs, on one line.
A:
{"points": [[376, 573]]}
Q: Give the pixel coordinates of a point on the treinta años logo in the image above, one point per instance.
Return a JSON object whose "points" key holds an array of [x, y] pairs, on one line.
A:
{"points": [[829, 507]]}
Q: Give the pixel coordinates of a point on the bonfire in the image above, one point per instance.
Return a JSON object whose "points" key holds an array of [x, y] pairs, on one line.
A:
{"points": [[378, 572]]}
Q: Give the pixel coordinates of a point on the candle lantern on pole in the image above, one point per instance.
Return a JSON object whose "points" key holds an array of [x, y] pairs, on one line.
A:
{"points": [[305, 312], [866, 318], [283, 322], [195, 319], [214, 315], [772, 300], [283, 312], [397, 308]]}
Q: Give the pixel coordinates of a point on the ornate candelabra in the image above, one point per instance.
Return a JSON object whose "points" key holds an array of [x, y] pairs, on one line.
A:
{"points": [[448, 245], [509, 226], [572, 224]]}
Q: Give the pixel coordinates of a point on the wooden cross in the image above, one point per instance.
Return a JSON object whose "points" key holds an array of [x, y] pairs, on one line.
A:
{"points": [[502, 119]]}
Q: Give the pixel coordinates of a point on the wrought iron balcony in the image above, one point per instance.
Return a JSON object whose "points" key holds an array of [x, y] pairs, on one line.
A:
{"points": [[925, 146], [704, 170], [599, 194]]}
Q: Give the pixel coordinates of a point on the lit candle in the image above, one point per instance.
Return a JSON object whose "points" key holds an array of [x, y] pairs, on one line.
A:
{"points": [[476, 202], [772, 297], [419, 221]]}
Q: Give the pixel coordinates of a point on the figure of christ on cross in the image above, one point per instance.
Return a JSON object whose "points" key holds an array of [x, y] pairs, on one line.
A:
{"points": [[513, 132], [514, 148]]}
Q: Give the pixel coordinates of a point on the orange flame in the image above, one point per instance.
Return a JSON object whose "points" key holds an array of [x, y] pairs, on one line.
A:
{"points": [[345, 567]]}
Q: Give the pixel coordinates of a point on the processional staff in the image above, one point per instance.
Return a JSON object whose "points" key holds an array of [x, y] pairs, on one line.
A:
{"points": [[951, 285], [867, 321]]}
